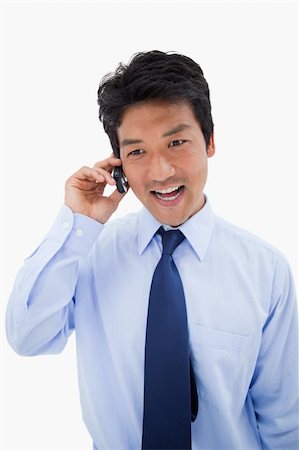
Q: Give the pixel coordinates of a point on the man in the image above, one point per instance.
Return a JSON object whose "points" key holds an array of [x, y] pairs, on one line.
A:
{"points": [[198, 344]]}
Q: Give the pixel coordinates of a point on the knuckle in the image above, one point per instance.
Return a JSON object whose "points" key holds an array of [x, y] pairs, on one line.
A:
{"points": [[68, 180], [84, 168], [101, 171]]}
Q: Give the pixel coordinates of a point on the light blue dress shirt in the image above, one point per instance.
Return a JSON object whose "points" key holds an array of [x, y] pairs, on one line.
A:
{"points": [[242, 320]]}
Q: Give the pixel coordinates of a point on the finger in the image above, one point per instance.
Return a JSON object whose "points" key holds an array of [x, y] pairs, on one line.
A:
{"points": [[86, 174], [105, 175], [108, 163], [93, 175], [117, 197]]}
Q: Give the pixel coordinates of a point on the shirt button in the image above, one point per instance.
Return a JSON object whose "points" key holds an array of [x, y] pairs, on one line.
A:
{"points": [[79, 232], [66, 225]]}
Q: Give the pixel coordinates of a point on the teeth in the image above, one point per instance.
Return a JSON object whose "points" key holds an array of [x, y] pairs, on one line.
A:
{"points": [[168, 199], [168, 190]]}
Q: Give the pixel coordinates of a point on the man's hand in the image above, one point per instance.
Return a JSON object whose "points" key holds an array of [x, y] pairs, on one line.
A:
{"points": [[84, 190]]}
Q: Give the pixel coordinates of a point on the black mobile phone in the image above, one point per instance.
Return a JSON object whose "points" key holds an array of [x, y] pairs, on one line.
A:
{"points": [[121, 180]]}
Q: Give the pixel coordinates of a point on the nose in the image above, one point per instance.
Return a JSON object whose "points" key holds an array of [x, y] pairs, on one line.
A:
{"points": [[160, 168]]}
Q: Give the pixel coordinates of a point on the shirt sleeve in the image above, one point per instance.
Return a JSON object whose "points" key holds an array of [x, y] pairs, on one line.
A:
{"points": [[40, 310], [274, 387]]}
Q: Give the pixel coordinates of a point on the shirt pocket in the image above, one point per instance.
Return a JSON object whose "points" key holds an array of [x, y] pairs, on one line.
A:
{"points": [[219, 361]]}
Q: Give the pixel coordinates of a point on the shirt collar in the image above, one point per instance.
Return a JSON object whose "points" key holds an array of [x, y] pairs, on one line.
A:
{"points": [[197, 230]]}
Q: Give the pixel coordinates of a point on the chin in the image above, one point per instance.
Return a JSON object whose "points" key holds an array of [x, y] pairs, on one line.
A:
{"points": [[169, 219]]}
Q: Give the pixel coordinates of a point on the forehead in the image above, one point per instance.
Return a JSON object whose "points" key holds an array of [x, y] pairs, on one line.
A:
{"points": [[155, 114]]}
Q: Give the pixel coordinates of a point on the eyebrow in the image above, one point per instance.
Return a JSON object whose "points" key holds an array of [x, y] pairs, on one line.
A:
{"points": [[176, 129]]}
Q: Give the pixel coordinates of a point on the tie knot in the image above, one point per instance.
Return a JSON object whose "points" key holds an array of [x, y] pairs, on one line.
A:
{"points": [[170, 240]]}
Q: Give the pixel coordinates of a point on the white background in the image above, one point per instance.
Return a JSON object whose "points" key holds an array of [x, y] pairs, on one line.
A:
{"points": [[54, 55]]}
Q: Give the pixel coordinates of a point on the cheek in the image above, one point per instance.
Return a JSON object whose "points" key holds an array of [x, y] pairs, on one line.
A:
{"points": [[198, 168], [128, 171], [135, 178]]}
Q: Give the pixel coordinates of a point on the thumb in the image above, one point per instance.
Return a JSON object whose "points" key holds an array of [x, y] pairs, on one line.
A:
{"points": [[116, 197]]}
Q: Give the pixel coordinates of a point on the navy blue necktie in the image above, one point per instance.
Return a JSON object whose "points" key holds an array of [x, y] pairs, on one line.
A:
{"points": [[169, 382]]}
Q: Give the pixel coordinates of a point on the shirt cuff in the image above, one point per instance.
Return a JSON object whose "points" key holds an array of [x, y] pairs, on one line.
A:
{"points": [[75, 231]]}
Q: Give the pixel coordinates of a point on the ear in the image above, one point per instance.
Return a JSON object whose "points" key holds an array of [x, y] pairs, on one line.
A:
{"points": [[211, 147]]}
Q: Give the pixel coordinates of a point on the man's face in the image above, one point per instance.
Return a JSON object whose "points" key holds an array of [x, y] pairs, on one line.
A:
{"points": [[164, 158]]}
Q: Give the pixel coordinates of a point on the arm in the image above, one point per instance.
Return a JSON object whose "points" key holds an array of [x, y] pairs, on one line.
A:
{"points": [[274, 387], [40, 312]]}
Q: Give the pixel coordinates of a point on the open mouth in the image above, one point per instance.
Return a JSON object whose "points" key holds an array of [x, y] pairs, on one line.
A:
{"points": [[169, 194]]}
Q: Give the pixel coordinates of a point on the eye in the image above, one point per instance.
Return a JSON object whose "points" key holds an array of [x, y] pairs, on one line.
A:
{"points": [[176, 143], [136, 152]]}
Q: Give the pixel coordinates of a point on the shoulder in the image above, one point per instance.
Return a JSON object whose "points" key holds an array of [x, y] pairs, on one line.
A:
{"points": [[241, 239], [259, 257]]}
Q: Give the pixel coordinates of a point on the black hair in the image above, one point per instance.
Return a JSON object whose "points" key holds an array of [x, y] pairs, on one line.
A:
{"points": [[154, 75]]}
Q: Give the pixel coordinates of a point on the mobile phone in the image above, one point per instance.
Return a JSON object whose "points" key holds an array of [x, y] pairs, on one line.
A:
{"points": [[121, 180]]}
